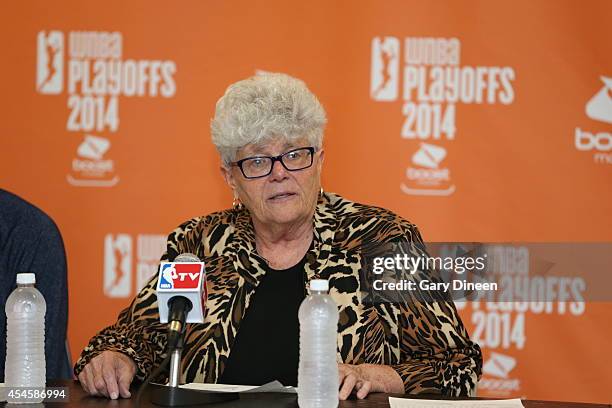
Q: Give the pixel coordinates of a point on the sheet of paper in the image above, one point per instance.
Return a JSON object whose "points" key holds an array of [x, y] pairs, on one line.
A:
{"points": [[218, 387], [423, 403], [274, 386]]}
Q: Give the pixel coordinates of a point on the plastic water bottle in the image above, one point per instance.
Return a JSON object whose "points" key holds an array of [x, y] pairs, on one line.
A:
{"points": [[318, 368], [25, 338]]}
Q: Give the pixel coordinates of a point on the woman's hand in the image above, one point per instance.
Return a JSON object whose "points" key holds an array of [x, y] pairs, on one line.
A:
{"points": [[109, 374], [365, 378], [351, 378]]}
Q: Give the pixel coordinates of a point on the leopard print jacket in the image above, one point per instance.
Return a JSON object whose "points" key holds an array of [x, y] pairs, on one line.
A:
{"points": [[425, 342]]}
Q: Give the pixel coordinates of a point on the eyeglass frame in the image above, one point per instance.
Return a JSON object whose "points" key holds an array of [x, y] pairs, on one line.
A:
{"points": [[279, 158]]}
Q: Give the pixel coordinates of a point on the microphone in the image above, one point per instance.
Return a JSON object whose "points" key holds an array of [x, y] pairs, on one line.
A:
{"points": [[181, 297], [181, 294]]}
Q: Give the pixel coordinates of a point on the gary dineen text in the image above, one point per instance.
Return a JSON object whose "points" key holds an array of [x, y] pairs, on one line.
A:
{"points": [[412, 264]]}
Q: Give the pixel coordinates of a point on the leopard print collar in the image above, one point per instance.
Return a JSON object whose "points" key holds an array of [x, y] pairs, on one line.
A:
{"points": [[242, 241]]}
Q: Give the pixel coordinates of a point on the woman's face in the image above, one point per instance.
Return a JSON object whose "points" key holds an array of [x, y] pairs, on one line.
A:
{"points": [[283, 196]]}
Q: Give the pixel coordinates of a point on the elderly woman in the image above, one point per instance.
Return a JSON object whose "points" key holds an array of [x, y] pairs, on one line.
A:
{"points": [[283, 231]]}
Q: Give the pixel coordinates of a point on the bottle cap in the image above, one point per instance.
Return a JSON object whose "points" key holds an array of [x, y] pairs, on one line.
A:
{"points": [[319, 285], [26, 278]]}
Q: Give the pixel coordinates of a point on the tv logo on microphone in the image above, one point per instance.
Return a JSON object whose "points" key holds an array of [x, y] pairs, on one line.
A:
{"points": [[180, 275], [186, 279]]}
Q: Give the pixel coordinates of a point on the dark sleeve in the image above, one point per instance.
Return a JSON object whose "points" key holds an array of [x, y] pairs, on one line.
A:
{"points": [[34, 244], [48, 262], [436, 353], [137, 332]]}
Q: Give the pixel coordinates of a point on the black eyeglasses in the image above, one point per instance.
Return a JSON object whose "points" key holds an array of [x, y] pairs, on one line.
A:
{"points": [[261, 166]]}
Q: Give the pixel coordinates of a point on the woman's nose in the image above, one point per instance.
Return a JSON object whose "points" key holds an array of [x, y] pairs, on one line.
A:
{"points": [[278, 170]]}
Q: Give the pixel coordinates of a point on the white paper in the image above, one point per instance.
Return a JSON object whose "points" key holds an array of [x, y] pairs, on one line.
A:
{"points": [[423, 403], [274, 386], [218, 387]]}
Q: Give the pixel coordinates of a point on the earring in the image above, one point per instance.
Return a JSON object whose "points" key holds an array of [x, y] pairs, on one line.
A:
{"points": [[321, 192], [236, 203]]}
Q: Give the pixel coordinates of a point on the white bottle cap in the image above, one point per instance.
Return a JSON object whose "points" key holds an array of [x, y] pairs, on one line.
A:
{"points": [[321, 285], [26, 278]]}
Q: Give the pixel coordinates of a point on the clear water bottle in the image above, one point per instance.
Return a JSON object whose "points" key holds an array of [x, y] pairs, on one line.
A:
{"points": [[318, 368], [25, 337]]}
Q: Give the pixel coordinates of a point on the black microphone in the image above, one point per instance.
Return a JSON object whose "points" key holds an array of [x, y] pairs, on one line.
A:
{"points": [[178, 307]]}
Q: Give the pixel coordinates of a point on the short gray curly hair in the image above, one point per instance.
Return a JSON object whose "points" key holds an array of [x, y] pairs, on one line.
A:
{"points": [[264, 106]]}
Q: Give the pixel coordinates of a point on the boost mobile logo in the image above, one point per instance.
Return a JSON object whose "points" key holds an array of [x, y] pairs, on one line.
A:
{"points": [[90, 168], [598, 108], [428, 172], [499, 367], [429, 156], [93, 147], [600, 105]]}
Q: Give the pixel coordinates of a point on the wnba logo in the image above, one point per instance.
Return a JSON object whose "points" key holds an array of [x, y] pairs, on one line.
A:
{"points": [[117, 265], [384, 78], [50, 62], [123, 252]]}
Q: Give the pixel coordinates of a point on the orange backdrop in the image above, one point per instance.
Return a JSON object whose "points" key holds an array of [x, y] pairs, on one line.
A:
{"points": [[476, 120]]}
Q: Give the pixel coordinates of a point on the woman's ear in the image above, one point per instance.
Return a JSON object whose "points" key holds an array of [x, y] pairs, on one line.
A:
{"points": [[226, 172], [321, 154]]}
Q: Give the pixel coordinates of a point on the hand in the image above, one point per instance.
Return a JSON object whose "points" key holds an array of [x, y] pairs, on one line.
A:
{"points": [[109, 374], [351, 378], [363, 379]]}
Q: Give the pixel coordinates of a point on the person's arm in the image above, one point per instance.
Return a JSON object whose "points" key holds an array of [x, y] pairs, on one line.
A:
{"points": [[436, 353], [47, 259], [436, 357], [136, 343], [137, 333], [130, 348], [437, 360]]}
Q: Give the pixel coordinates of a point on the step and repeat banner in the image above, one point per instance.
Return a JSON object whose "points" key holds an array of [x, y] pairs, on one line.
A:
{"points": [[478, 121]]}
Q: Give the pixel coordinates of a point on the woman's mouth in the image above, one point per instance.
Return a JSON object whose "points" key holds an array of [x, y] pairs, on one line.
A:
{"points": [[281, 196]]}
